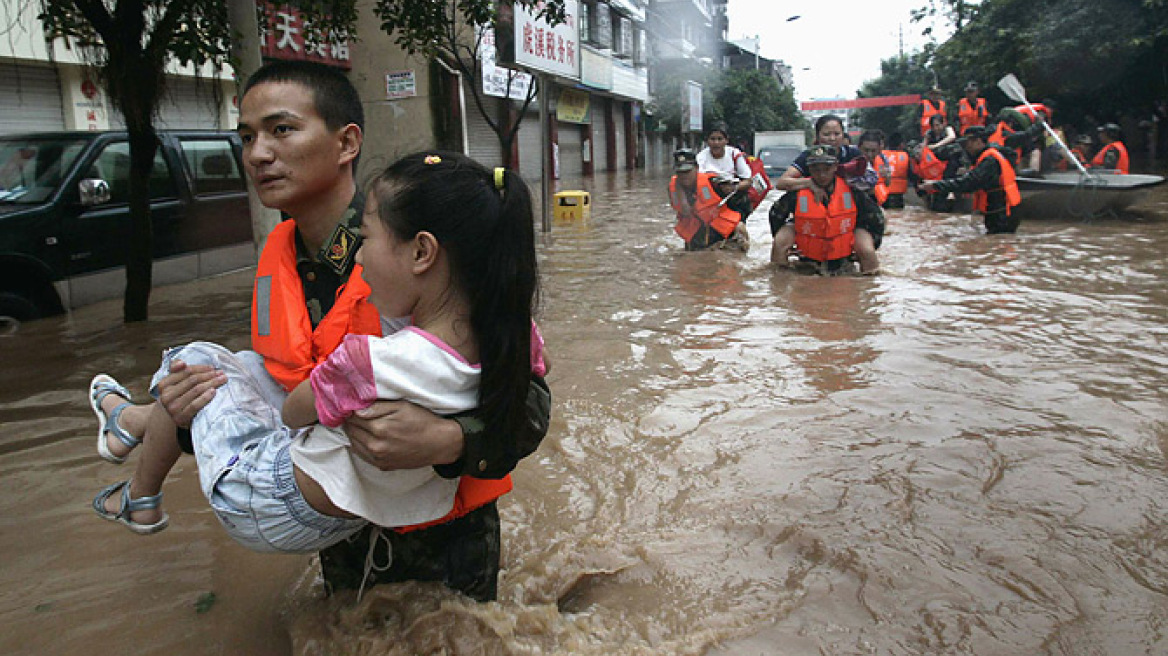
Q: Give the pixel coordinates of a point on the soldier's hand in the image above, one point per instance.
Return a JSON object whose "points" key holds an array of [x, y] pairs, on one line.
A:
{"points": [[187, 389]]}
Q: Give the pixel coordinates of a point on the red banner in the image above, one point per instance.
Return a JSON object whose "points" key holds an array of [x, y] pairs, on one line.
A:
{"points": [[859, 103], [284, 39]]}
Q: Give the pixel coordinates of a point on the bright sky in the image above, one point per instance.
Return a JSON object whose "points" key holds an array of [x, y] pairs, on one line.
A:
{"points": [[840, 41]]}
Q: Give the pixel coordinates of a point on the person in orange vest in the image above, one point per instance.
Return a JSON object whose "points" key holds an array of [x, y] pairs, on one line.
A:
{"points": [[1082, 149], [1015, 132], [991, 179], [825, 231], [1112, 153], [895, 170], [278, 489], [927, 164], [301, 125], [705, 217], [972, 109], [931, 105]]}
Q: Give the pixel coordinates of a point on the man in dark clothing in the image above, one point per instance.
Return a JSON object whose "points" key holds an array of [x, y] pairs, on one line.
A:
{"points": [[991, 178]]}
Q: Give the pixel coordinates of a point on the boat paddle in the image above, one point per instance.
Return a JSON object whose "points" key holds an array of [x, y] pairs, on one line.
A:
{"points": [[1014, 89]]}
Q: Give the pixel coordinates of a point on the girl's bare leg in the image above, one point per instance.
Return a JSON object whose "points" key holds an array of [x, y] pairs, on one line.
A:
{"points": [[157, 455], [132, 420]]}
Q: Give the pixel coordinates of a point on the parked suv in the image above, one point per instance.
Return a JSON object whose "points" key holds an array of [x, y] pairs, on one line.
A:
{"points": [[64, 216]]}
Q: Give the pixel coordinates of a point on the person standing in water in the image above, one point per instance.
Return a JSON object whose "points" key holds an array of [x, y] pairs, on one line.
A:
{"points": [[850, 163], [991, 179], [301, 127]]}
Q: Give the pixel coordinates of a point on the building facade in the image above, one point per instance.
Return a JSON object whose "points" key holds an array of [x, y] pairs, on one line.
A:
{"points": [[48, 86], [685, 41]]}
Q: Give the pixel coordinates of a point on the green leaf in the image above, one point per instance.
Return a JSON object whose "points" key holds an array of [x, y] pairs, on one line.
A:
{"points": [[205, 602]]}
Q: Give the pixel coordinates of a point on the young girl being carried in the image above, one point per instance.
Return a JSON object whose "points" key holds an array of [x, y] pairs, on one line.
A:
{"points": [[449, 246]]}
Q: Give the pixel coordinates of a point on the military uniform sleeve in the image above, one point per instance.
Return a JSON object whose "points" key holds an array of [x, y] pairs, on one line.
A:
{"points": [[484, 456], [780, 210], [983, 176], [869, 216]]}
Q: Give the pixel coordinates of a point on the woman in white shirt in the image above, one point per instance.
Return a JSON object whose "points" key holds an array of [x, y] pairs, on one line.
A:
{"points": [[719, 157]]}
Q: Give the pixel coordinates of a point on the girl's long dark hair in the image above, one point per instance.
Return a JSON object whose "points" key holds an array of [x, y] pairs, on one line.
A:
{"points": [[488, 235]]}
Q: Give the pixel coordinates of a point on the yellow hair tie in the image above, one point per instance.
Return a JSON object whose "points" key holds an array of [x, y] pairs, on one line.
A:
{"points": [[432, 159], [499, 171]]}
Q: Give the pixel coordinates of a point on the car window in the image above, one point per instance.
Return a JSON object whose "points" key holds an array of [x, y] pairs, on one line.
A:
{"points": [[113, 166], [778, 157], [32, 169], [212, 165]]}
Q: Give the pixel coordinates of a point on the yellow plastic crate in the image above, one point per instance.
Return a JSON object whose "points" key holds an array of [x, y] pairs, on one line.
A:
{"points": [[570, 205]]}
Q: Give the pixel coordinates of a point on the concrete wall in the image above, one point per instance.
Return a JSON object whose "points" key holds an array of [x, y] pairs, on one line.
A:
{"points": [[392, 127]]}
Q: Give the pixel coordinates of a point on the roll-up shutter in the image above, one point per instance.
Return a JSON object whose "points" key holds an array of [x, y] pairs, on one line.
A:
{"points": [[530, 148], [31, 101], [484, 143], [618, 113], [571, 142], [188, 104], [599, 135]]}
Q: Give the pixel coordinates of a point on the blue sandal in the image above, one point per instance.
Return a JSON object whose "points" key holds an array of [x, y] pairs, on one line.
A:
{"points": [[128, 506], [100, 387]]}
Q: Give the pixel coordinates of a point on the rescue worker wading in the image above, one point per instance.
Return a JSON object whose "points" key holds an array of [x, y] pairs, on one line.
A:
{"points": [[704, 217], [892, 187], [824, 232], [991, 180], [927, 166]]}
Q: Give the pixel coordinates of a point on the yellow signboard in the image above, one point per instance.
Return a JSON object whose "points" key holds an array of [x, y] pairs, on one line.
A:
{"points": [[573, 106]]}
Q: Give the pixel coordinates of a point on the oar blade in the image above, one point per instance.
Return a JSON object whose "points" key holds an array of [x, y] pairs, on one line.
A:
{"points": [[1012, 88]]}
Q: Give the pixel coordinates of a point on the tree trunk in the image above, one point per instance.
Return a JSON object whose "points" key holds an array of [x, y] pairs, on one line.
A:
{"points": [[140, 256], [245, 51]]}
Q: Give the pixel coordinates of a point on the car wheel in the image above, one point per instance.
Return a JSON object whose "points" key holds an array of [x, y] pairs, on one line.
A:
{"points": [[14, 310]]}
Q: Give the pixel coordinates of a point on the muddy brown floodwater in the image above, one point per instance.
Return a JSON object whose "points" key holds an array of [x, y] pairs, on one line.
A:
{"points": [[965, 455]]}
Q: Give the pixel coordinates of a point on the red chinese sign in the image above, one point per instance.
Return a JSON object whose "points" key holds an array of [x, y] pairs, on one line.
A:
{"points": [[284, 39]]}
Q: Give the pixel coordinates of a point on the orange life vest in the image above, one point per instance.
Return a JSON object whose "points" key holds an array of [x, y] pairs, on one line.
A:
{"points": [[1123, 165], [705, 212], [881, 188], [825, 233], [1080, 154], [928, 166], [927, 112], [897, 162], [281, 330], [999, 138], [757, 172], [970, 115], [282, 333], [1007, 180], [1032, 114]]}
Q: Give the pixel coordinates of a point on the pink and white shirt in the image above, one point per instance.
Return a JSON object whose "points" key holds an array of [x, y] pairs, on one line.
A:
{"points": [[411, 365]]}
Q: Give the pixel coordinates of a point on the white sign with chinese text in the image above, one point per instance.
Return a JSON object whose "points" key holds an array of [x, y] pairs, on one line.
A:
{"points": [[496, 78], [694, 105], [400, 84], [546, 49]]}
